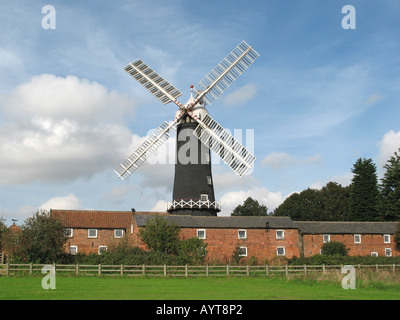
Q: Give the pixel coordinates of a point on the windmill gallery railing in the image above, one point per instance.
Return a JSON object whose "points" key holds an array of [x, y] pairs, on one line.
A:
{"points": [[181, 204], [9, 269]]}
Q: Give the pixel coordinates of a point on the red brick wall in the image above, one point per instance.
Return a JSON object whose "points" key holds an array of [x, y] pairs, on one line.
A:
{"points": [[261, 244], [105, 237], [369, 243]]}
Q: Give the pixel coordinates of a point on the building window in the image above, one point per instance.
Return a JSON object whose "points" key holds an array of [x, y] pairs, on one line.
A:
{"points": [[280, 234], [73, 250], [388, 252], [201, 233], [357, 238], [102, 249], [242, 234], [243, 251], [118, 233], [280, 251], [386, 238], [204, 197], [209, 180], [69, 232], [326, 238], [92, 233], [374, 254]]}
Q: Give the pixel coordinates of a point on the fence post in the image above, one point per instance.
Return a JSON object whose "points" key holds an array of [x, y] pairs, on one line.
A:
{"points": [[207, 269], [31, 268], [77, 269], [186, 270], [287, 270], [143, 268], [122, 270], [227, 270], [248, 270], [305, 269], [99, 269], [323, 268], [165, 270], [266, 269], [7, 269]]}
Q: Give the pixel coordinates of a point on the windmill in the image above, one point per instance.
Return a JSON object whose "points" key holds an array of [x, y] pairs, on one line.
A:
{"points": [[193, 191]]}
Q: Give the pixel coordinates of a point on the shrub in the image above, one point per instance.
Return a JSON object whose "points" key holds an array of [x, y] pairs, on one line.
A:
{"points": [[334, 248]]}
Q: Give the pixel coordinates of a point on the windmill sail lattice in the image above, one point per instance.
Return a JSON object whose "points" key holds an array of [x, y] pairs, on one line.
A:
{"points": [[231, 151], [225, 73], [153, 82], [162, 133]]}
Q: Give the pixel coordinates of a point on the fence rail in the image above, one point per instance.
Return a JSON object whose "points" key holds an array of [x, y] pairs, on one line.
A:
{"points": [[9, 269]]}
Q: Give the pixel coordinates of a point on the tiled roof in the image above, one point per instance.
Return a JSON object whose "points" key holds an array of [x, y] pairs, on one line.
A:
{"points": [[94, 219], [223, 222], [338, 227]]}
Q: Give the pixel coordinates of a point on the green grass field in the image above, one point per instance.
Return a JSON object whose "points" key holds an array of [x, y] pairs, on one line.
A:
{"points": [[109, 288]]}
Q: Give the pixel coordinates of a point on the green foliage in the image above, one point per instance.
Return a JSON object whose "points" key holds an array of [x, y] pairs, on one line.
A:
{"points": [[328, 204], [236, 257], [160, 235], [364, 193], [250, 207], [390, 189], [41, 240], [334, 248], [194, 250]]}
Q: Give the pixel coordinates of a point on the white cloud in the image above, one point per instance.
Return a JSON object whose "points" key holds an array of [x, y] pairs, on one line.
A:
{"points": [[389, 144], [231, 200], [60, 129], [66, 202], [241, 95], [160, 206], [281, 160]]}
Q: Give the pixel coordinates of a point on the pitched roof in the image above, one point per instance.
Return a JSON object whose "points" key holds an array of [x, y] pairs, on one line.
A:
{"points": [[94, 219], [338, 227], [223, 222]]}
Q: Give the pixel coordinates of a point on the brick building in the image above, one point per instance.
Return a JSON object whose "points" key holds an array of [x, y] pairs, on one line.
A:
{"points": [[260, 238]]}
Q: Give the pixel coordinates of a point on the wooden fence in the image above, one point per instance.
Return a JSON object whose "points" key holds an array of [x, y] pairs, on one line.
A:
{"points": [[183, 271]]}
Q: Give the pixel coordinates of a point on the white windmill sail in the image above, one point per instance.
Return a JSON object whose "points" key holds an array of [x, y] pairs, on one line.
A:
{"points": [[231, 151], [153, 82], [161, 134], [225, 73]]}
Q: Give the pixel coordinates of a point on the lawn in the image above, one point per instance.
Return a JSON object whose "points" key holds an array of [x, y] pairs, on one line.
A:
{"points": [[110, 288]]}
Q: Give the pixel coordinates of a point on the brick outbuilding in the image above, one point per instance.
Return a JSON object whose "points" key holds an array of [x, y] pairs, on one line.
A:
{"points": [[263, 239]]}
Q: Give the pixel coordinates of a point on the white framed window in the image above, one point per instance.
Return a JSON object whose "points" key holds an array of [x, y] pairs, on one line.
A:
{"points": [[326, 238], [357, 238], [73, 250], [92, 233], [243, 251], [201, 233], [388, 252], [69, 232], [280, 234], [280, 251], [386, 238], [242, 234], [209, 180], [204, 197], [118, 233], [102, 249], [374, 254]]}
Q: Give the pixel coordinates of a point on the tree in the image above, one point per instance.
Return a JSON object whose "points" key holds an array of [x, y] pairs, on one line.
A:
{"points": [[364, 193], [334, 248], [160, 235], [250, 207], [390, 189], [41, 239]]}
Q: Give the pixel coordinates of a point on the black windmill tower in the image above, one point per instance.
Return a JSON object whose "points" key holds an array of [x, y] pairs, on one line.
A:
{"points": [[197, 133]]}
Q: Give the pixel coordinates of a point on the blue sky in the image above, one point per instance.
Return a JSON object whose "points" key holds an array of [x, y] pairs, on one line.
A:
{"points": [[318, 98]]}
